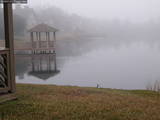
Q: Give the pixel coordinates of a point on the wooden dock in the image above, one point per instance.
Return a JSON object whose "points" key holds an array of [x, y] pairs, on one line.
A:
{"points": [[26, 51]]}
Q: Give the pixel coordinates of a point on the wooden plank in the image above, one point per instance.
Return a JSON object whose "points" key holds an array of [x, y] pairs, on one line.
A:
{"points": [[4, 51], [13, 1], [3, 84], [34, 49], [3, 65], [4, 90], [8, 72], [9, 43], [34, 55], [3, 74], [7, 97]]}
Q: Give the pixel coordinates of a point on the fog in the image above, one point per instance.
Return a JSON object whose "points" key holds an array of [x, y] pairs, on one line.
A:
{"points": [[134, 10], [114, 43]]}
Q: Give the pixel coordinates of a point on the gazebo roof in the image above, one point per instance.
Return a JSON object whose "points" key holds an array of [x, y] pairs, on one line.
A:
{"points": [[43, 28], [44, 75]]}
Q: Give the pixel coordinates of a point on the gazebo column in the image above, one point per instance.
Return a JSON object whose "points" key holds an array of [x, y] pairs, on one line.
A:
{"points": [[49, 38], [37, 42], [54, 42], [49, 41], [9, 43], [49, 63], [47, 59], [32, 61], [40, 40], [32, 40], [40, 64]]}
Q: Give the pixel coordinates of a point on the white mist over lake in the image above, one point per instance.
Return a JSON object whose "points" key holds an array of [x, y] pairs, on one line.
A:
{"points": [[132, 10], [124, 52], [125, 66]]}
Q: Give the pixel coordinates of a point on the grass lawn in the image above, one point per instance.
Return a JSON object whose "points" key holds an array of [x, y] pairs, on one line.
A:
{"points": [[48, 102]]}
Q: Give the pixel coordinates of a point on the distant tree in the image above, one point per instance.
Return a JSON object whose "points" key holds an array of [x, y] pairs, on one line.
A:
{"points": [[20, 24]]}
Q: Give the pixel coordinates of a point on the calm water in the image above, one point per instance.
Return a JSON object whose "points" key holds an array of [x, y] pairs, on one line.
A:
{"points": [[131, 65]]}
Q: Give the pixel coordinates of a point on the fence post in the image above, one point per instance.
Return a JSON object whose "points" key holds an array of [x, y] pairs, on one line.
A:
{"points": [[9, 43]]}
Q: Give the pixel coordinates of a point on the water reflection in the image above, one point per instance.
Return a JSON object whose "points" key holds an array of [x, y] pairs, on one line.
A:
{"points": [[128, 65], [41, 66], [22, 65]]}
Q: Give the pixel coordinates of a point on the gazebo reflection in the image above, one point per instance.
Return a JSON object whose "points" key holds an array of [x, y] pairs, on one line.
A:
{"points": [[43, 57], [43, 66]]}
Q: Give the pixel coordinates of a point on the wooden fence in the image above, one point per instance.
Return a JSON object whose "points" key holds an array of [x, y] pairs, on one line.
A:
{"points": [[5, 84]]}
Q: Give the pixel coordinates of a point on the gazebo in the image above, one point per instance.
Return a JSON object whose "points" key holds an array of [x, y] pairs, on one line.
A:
{"points": [[43, 38]]}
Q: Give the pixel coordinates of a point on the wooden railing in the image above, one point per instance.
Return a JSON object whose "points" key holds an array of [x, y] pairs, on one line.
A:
{"points": [[43, 44], [4, 70]]}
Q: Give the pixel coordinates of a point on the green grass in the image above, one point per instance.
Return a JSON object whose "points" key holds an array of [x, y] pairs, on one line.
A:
{"points": [[47, 102]]}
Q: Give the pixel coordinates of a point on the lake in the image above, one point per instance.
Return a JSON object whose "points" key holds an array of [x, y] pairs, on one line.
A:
{"points": [[121, 65]]}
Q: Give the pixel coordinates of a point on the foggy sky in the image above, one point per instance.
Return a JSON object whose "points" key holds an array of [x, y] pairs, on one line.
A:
{"points": [[134, 10]]}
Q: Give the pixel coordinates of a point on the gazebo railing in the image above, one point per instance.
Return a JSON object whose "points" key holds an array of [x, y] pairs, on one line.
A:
{"points": [[43, 44], [51, 44], [4, 71]]}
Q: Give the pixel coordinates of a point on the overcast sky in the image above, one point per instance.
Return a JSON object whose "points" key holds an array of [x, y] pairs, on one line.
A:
{"points": [[135, 10]]}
